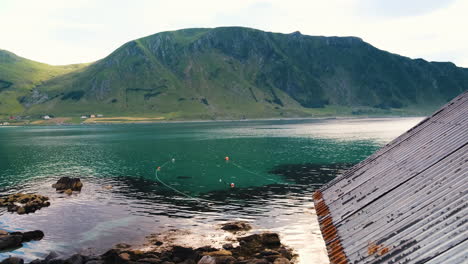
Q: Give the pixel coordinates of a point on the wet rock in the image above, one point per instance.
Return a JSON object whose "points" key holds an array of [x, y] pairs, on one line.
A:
{"points": [[150, 260], [56, 261], [125, 256], [114, 256], [75, 259], [268, 240], [122, 246], [37, 261], [10, 241], [66, 183], [236, 226], [12, 260], [206, 249], [188, 261], [281, 261], [271, 239], [183, 253], [24, 203], [32, 235], [225, 260], [219, 253], [158, 243], [52, 255], [207, 260], [228, 246]]}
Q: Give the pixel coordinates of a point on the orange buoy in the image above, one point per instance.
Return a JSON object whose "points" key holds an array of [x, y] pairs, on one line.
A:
{"points": [[226, 158], [232, 185]]}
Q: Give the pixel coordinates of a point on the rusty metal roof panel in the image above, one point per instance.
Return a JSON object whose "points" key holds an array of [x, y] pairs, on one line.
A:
{"points": [[406, 203]]}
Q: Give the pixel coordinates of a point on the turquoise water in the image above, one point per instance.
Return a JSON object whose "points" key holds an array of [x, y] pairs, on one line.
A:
{"points": [[275, 166]]}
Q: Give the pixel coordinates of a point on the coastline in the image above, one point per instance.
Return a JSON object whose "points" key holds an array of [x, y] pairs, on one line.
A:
{"points": [[167, 121]]}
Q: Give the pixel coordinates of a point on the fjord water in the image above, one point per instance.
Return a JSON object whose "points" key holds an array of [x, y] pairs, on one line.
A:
{"points": [[275, 166]]}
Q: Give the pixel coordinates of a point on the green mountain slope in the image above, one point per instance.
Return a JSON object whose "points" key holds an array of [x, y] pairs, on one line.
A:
{"points": [[235, 72], [18, 78]]}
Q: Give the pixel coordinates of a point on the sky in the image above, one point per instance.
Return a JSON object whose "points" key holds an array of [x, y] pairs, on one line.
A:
{"points": [[75, 31]]}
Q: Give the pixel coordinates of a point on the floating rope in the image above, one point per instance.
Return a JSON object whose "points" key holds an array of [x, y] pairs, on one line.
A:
{"points": [[253, 173], [174, 189], [232, 185]]}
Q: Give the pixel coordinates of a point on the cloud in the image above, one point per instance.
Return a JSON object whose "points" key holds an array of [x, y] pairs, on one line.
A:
{"points": [[399, 8], [63, 32]]}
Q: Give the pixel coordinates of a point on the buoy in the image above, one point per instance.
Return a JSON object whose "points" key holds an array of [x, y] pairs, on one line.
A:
{"points": [[159, 168], [226, 158], [173, 160], [232, 185]]}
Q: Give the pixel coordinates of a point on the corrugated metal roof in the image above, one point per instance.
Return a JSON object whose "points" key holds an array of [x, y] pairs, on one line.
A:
{"points": [[406, 203]]}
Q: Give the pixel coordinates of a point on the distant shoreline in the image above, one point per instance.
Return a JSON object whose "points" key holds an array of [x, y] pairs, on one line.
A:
{"points": [[166, 121]]}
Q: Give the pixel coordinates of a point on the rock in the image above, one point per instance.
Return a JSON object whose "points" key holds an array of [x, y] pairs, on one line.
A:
{"points": [[75, 259], [225, 260], [32, 235], [37, 261], [150, 260], [285, 253], [183, 253], [236, 226], [228, 246], [56, 261], [12, 260], [52, 255], [158, 243], [69, 191], [188, 261], [10, 241], [122, 246], [219, 253], [66, 183], [21, 210], [3, 232], [281, 261], [207, 260], [24, 203], [114, 256], [269, 252], [125, 256], [271, 239], [95, 261], [206, 249]]}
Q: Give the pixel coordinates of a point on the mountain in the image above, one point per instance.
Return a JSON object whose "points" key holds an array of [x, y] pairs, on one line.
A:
{"points": [[232, 72], [19, 76]]}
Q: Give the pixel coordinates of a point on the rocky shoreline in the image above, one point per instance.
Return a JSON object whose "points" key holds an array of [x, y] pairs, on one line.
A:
{"points": [[241, 248], [263, 248], [22, 203]]}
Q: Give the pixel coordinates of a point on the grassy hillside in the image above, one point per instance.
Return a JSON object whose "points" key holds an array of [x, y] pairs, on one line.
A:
{"points": [[18, 78], [234, 73]]}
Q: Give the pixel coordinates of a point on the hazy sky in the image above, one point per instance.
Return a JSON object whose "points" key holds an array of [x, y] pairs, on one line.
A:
{"points": [[73, 31]]}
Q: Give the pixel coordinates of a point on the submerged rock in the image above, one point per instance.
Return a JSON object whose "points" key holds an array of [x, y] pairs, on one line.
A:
{"points": [[67, 183], [22, 203]]}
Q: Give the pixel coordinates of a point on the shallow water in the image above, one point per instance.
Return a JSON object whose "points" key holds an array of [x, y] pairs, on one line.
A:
{"points": [[275, 166]]}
